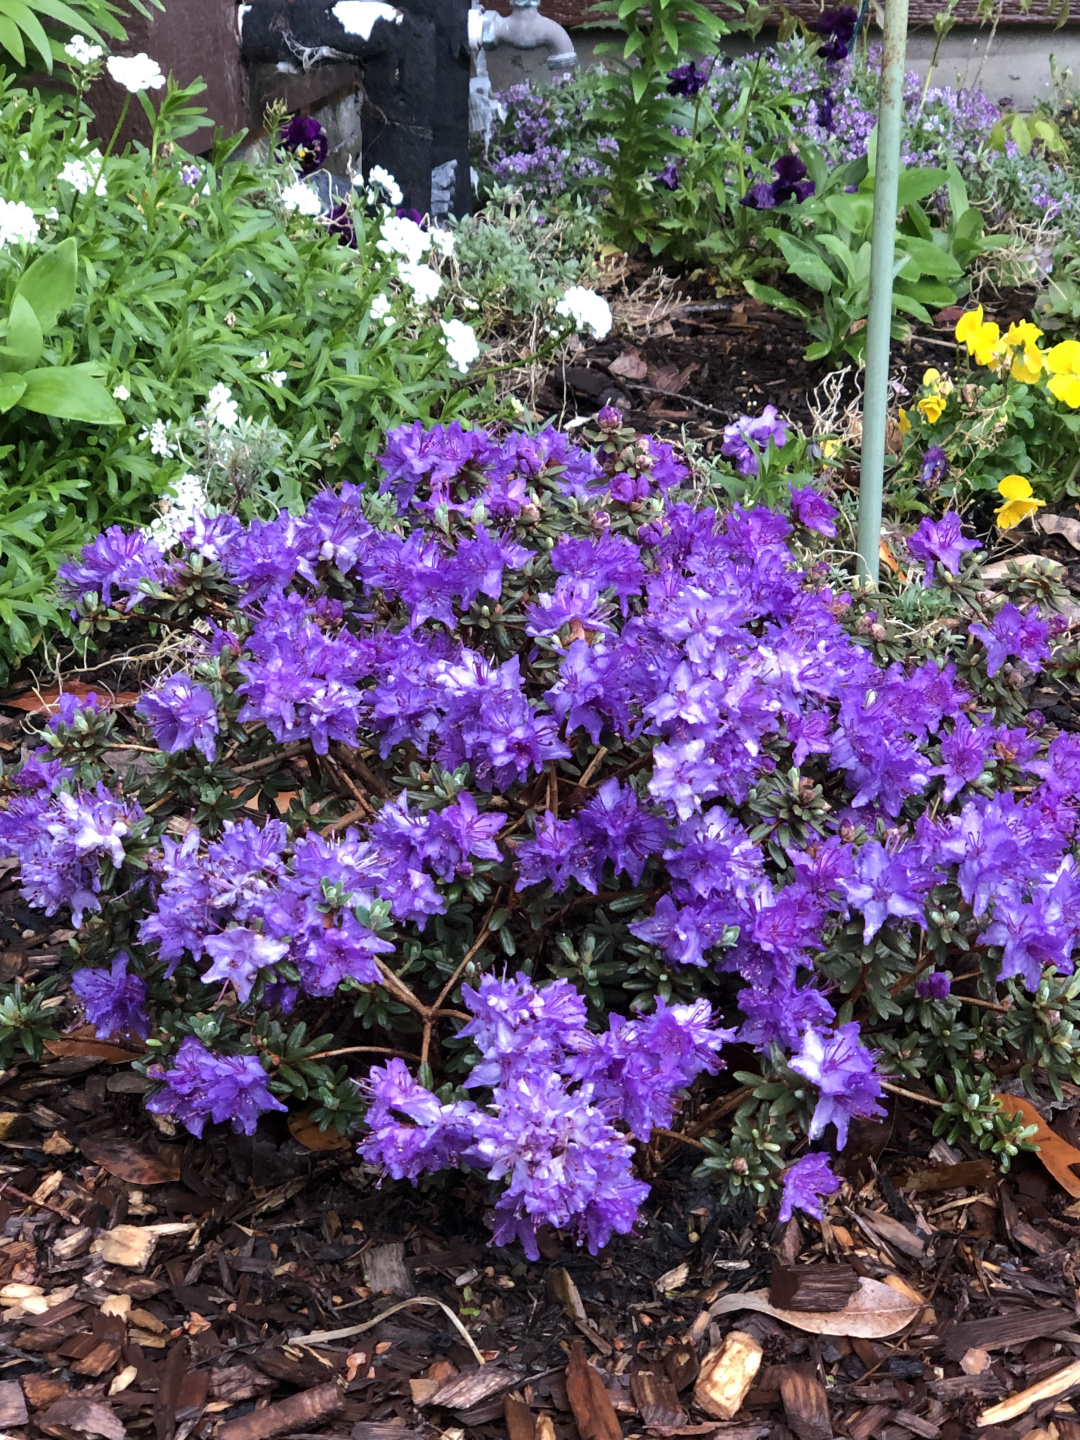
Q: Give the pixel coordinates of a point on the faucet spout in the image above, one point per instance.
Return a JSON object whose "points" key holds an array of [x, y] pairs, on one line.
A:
{"points": [[528, 30]]}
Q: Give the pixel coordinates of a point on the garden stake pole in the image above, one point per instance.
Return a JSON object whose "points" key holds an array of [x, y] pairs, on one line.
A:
{"points": [[882, 256]]}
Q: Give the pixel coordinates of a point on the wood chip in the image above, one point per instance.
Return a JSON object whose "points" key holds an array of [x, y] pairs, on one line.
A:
{"points": [[473, 1386], [385, 1272], [304, 1411], [925, 1429], [968, 1175], [12, 1404], [87, 1416], [974, 1361], [727, 1374], [518, 1417], [806, 1405], [132, 1245], [1002, 1330], [560, 1286], [812, 1287], [593, 1411], [1019, 1404], [657, 1399]]}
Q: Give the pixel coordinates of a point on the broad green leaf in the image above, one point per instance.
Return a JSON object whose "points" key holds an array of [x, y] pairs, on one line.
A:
{"points": [[855, 212], [928, 259], [918, 184], [11, 390], [70, 392], [958, 195], [24, 340], [1021, 134], [49, 283], [31, 27], [807, 263], [11, 39], [768, 296]]}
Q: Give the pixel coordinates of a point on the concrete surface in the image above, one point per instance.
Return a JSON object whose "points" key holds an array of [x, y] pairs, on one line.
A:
{"points": [[1015, 63]]}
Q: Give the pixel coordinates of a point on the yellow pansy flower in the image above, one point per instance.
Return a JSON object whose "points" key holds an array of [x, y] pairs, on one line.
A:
{"points": [[933, 407], [1027, 364], [1022, 333], [968, 326], [1019, 502], [985, 345], [931, 379], [1063, 362], [904, 422]]}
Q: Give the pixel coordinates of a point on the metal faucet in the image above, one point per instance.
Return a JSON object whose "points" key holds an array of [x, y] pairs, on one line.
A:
{"points": [[526, 28]]}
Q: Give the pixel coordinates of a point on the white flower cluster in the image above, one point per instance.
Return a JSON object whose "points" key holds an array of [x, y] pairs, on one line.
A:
{"points": [[84, 174], [588, 311], [121, 392], [221, 409], [461, 343], [135, 72], [158, 435], [382, 184], [301, 198], [405, 239], [381, 306], [178, 513], [18, 224], [277, 378], [79, 49]]}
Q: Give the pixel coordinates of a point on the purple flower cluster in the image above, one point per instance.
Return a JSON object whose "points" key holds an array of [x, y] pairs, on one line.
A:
{"points": [[602, 679], [790, 184], [558, 1092]]}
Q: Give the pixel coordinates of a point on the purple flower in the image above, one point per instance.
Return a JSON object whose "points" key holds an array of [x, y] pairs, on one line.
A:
{"points": [[813, 510], [935, 986], [843, 1070], [964, 754], [940, 541], [238, 955], [669, 176], [203, 1086], [790, 182], [190, 174], [760, 430], [69, 707], [687, 80], [113, 1000], [882, 885], [805, 1183], [761, 196], [935, 464], [839, 27], [304, 137], [181, 714], [1014, 633], [113, 562], [411, 1132], [823, 111], [338, 221]]}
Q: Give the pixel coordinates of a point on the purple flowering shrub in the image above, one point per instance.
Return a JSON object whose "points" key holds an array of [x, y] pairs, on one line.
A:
{"points": [[556, 790]]}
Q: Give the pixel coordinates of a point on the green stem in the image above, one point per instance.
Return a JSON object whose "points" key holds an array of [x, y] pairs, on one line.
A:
{"points": [[119, 126]]}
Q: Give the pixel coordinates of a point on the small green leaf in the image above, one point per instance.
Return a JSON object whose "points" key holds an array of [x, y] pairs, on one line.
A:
{"points": [[11, 391], [70, 392], [24, 339]]}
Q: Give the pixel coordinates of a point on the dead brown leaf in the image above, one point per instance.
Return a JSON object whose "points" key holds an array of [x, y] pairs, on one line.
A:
{"points": [[305, 1132], [1063, 525], [84, 1044], [1056, 1154], [872, 1313], [669, 379], [126, 1160], [629, 365], [46, 702]]}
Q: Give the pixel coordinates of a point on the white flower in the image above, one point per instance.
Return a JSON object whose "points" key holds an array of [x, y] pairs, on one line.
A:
{"points": [[82, 174], [588, 310], [179, 513], [263, 362], [278, 378], [380, 307], [17, 223], [81, 51], [221, 409], [470, 304], [378, 176], [158, 436], [421, 280], [135, 72], [121, 393], [461, 343], [442, 241], [302, 198], [402, 236]]}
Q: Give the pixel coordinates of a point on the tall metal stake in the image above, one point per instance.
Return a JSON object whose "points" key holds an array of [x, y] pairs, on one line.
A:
{"points": [[882, 257]]}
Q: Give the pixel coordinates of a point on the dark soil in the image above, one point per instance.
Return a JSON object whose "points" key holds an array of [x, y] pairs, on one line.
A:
{"points": [[704, 361]]}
